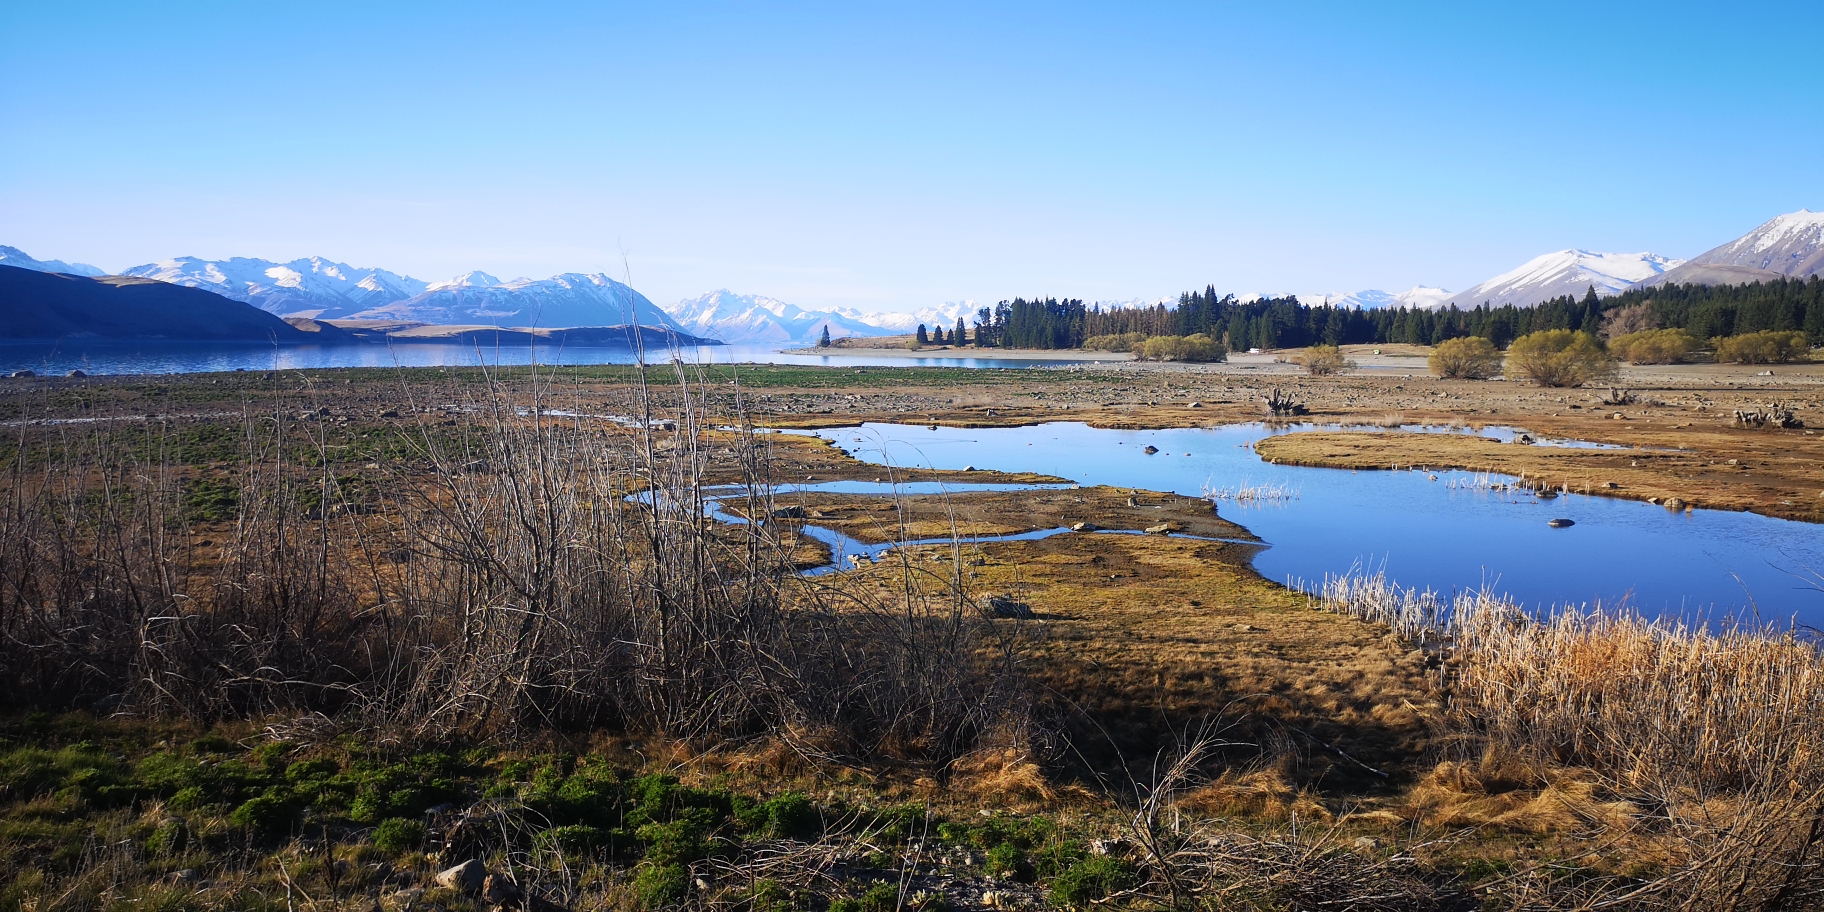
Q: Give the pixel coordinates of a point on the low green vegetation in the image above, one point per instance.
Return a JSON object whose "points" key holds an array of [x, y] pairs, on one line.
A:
{"points": [[1469, 358], [1560, 358]]}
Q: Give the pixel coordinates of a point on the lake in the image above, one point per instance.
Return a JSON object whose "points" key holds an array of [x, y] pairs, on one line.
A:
{"points": [[1443, 530], [102, 358]]}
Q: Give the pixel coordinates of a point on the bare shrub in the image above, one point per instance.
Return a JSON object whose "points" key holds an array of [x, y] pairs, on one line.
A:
{"points": [[1559, 357], [1194, 348], [518, 570], [1764, 347], [1629, 320], [1325, 360], [1470, 358], [1281, 404], [1658, 346]]}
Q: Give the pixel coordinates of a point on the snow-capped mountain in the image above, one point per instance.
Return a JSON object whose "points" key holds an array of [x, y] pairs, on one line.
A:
{"points": [[1565, 272], [759, 320], [1420, 296], [1786, 245], [905, 323], [307, 287], [13, 256], [571, 299]]}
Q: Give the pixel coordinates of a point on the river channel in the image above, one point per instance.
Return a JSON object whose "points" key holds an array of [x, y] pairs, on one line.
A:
{"points": [[1448, 531]]}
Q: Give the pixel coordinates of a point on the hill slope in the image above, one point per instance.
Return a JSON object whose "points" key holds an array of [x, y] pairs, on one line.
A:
{"points": [[46, 305]]}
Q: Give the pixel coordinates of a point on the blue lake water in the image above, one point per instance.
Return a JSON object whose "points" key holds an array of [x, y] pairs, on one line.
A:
{"points": [[1448, 534], [103, 358]]}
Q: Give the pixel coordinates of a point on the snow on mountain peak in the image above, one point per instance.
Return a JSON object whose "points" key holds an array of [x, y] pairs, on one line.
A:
{"points": [[13, 256], [1565, 272]]}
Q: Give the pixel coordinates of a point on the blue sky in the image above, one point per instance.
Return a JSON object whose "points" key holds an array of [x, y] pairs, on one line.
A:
{"points": [[895, 156]]}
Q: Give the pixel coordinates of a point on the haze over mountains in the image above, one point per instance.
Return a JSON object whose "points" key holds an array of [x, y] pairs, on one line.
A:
{"points": [[1790, 245]]}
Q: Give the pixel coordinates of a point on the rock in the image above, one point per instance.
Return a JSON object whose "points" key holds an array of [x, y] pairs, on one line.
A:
{"points": [[1674, 503], [23, 374], [500, 891], [1560, 523], [1085, 527], [1150, 450], [1196, 405], [1368, 843], [1611, 485], [968, 468], [389, 413], [789, 513], [1132, 502], [1524, 439], [77, 373], [1161, 529], [1005, 607], [467, 877]]}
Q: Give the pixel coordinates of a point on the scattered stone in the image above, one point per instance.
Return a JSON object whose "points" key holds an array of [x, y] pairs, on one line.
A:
{"points": [[1674, 503], [1524, 439], [1132, 502], [789, 513], [969, 468], [467, 877], [1367, 843], [1611, 485], [1005, 607], [1112, 846], [390, 413], [1560, 523], [1085, 527], [1196, 405], [1161, 529], [1150, 450]]}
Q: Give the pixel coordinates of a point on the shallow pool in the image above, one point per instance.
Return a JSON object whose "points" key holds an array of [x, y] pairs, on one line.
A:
{"points": [[1444, 530]]}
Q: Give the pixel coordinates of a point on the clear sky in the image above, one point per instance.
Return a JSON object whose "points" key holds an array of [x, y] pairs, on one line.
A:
{"points": [[895, 156]]}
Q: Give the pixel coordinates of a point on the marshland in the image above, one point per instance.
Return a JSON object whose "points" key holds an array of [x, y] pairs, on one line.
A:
{"points": [[308, 639]]}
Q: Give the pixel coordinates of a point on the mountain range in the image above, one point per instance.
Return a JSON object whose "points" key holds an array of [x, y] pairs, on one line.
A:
{"points": [[13, 256], [313, 287], [42, 304]]}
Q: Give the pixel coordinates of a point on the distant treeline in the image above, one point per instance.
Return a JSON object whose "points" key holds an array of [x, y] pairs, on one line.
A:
{"points": [[1706, 311]]}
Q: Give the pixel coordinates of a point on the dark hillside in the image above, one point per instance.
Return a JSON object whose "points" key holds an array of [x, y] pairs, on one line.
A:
{"points": [[49, 305]]}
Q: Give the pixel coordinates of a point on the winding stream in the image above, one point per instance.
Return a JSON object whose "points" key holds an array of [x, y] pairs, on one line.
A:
{"points": [[1444, 530]]}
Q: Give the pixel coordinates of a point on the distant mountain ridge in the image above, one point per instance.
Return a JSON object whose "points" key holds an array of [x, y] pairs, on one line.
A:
{"points": [[306, 287], [19, 259], [1564, 272], [1785, 246], [760, 320]]}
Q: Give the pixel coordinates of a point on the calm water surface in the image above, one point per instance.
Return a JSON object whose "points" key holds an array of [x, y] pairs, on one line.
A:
{"points": [[191, 358], [1447, 534]]}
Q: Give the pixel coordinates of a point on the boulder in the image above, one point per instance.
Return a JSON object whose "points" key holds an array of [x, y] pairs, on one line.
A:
{"points": [[790, 513], [1560, 523], [1085, 527], [1150, 450], [467, 877], [1161, 529], [77, 374]]}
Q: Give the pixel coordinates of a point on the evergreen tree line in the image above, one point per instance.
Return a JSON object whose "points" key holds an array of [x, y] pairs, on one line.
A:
{"points": [[1706, 311]]}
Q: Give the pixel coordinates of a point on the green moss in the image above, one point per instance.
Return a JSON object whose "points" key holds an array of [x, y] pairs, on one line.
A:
{"points": [[396, 835], [659, 885], [1092, 880]]}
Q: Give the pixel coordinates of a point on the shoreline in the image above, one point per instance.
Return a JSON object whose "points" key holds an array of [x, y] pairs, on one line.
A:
{"points": [[1004, 354]]}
